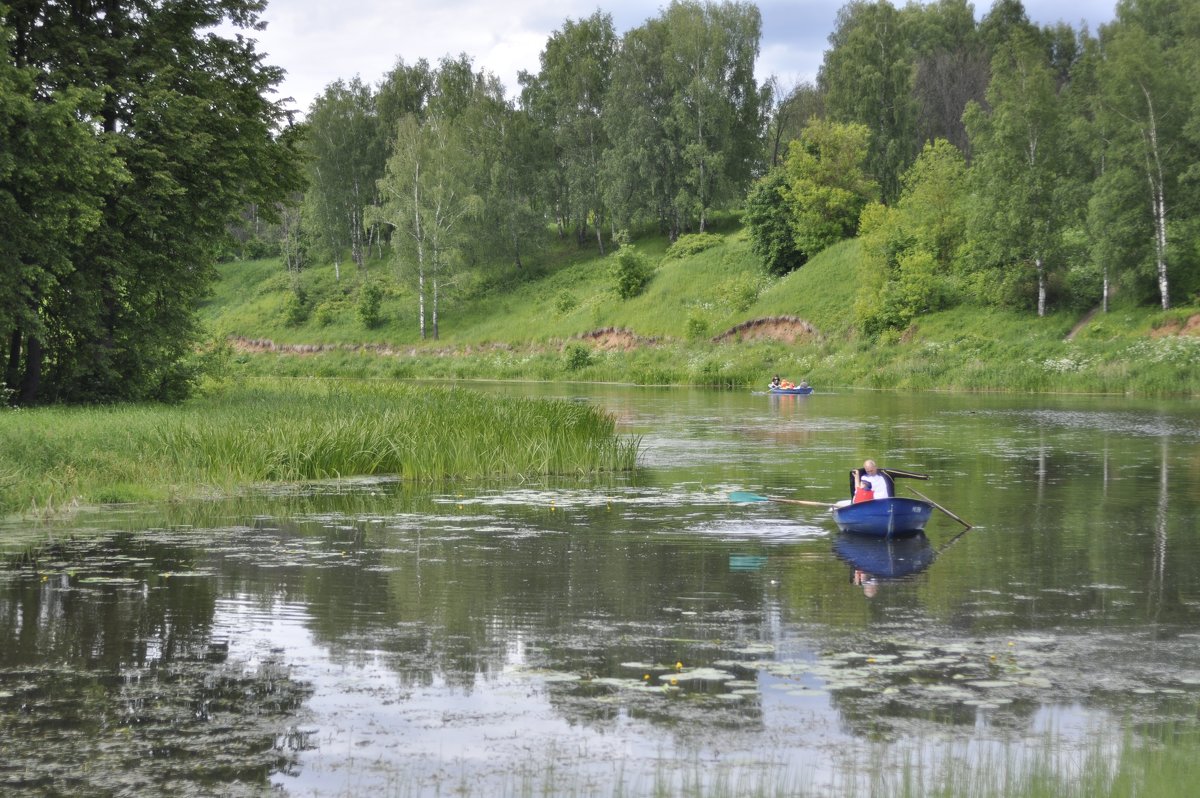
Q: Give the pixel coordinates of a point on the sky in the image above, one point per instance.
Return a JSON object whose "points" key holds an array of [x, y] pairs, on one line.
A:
{"points": [[318, 42]]}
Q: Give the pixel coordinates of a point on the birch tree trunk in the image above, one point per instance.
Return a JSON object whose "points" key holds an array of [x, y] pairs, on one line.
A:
{"points": [[1158, 199]]}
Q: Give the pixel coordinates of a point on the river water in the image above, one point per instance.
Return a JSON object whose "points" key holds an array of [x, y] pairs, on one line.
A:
{"points": [[631, 634]]}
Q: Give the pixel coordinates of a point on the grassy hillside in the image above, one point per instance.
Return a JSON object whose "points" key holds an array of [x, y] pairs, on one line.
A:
{"points": [[540, 322]]}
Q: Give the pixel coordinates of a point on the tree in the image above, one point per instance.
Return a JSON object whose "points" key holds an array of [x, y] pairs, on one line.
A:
{"points": [[867, 79], [569, 92], [717, 111], [54, 175], [181, 116], [1147, 83], [684, 114], [1023, 197], [909, 250], [347, 148], [827, 184], [427, 201], [950, 69], [769, 222], [790, 111]]}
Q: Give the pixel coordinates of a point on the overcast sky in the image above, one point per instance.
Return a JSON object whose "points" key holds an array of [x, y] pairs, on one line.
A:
{"points": [[318, 42]]}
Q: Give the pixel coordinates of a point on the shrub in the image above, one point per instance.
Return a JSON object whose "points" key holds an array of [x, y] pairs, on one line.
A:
{"points": [[631, 272], [325, 313], [370, 298], [295, 308], [692, 244], [576, 356], [565, 302], [696, 326]]}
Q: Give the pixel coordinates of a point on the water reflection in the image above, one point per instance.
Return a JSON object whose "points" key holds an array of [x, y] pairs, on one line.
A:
{"points": [[366, 634], [873, 558]]}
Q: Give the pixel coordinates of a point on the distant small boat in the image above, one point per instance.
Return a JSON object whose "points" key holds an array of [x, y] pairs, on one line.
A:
{"points": [[807, 389], [893, 517]]}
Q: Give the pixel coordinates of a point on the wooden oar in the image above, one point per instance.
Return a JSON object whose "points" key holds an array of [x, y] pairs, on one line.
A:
{"points": [[896, 472], [940, 507], [743, 496]]}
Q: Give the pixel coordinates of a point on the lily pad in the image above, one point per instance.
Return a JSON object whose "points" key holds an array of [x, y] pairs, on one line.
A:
{"points": [[699, 675]]}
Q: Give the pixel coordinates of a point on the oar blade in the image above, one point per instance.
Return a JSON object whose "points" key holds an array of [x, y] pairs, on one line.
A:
{"points": [[741, 496]]}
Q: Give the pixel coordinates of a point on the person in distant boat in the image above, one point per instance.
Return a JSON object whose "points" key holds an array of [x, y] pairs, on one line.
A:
{"points": [[869, 477], [803, 383], [775, 381]]}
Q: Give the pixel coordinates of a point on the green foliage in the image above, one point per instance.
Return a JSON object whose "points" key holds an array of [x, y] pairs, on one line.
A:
{"points": [[693, 244], [576, 356], [827, 186], [740, 291], [326, 312], [297, 430], [565, 302], [370, 300], [696, 327], [683, 113], [162, 133], [867, 80], [909, 250], [631, 272], [295, 308], [769, 222]]}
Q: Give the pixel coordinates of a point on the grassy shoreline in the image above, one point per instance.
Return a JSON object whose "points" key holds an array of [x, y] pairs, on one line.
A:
{"points": [[699, 322], [1147, 367], [275, 431]]}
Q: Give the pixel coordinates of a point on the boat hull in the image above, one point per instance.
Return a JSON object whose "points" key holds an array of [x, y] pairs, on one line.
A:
{"points": [[884, 517], [790, 391]]}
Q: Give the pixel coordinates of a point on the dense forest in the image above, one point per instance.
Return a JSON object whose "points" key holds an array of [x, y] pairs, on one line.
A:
{"points": [[992, 162]]}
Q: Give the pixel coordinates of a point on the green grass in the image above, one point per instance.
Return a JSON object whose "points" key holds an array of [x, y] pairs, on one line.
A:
{"points": [[298, 430], [512, 324]]}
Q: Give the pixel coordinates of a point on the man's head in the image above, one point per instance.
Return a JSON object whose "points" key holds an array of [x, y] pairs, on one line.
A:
{"points": [[869, 466]]}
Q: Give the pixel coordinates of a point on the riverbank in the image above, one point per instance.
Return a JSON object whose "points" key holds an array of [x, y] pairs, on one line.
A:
{"points": [[1025, 360], [247, 432], [706, 318]]}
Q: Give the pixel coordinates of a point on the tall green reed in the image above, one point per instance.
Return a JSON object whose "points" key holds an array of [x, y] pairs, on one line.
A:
{"points": [[291, 430]]}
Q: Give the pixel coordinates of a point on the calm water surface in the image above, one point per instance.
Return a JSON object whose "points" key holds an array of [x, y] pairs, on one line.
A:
{"points": [[611, 636]]}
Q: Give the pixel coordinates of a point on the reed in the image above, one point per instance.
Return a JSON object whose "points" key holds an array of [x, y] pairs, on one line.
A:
{"points": [[275, 430]]}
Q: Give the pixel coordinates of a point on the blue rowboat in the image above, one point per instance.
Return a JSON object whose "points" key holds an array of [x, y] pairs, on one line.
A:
{"points": [[883, 518], [885, 558], [805, 391]]}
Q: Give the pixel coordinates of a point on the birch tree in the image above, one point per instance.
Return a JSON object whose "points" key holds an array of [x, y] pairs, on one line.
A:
{"points": [[427, 200], [1147, 87]]}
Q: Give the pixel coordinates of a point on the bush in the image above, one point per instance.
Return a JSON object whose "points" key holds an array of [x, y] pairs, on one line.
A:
{"points": [[692, 244], [325, 313], [631, 272], [370, 298], [696, 326], [565, 302], [577, 356], [295, 308]]}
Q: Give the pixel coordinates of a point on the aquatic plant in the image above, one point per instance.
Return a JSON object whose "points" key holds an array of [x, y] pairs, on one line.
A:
{"points": [[290, 430]]}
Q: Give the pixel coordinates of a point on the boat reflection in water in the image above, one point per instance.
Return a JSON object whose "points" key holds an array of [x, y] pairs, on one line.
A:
{"points": [[875, 559]]}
